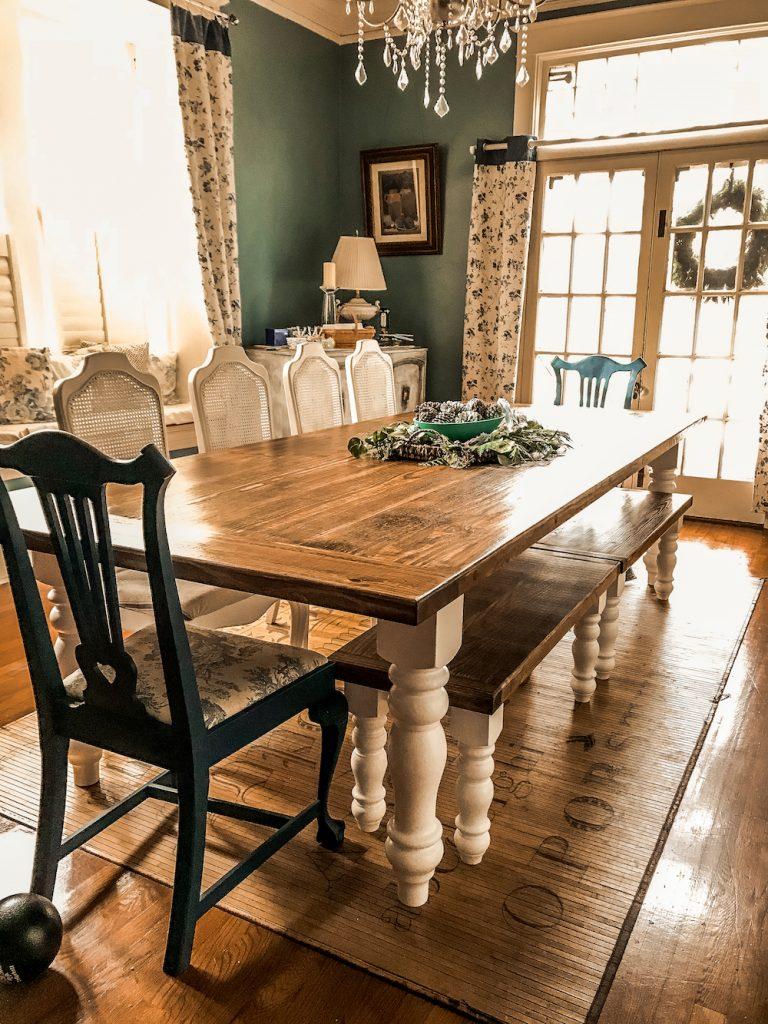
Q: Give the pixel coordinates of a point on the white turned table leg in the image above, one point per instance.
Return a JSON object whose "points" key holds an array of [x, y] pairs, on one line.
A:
{"points": [[649, 558], [418, 657], [299, 624], [586, 651], [666, 562], [609, 630], [369, 756], [476, 735], [662, 474], [83, 758]]}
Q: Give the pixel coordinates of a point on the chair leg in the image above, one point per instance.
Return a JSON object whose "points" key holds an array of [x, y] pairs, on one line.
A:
{"points": [[190, 851], [331, 716], [273, 615], [53, 799]]}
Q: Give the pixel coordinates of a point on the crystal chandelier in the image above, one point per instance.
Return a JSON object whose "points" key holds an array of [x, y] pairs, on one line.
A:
{"points": [[468, 26]]}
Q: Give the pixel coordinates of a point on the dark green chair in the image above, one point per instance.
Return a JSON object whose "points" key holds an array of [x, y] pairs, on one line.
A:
{"points": [[179, 698], [595, 373]]}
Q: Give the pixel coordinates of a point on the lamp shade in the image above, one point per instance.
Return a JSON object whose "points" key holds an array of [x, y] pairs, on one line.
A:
{"points": [[358, 265]]}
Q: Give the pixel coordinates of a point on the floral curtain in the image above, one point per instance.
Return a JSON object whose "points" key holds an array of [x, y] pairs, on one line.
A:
{"points": [[204, 70], [761, 469], [502, 197]]}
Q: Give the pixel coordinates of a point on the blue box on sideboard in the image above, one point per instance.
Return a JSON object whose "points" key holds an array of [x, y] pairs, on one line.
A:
{"points": [[276, 336]]}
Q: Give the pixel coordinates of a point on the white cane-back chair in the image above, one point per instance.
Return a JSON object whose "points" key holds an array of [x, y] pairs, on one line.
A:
{"points": [[370, 382], [231, 407], [119, 410], [313, 392], [231, 403]]}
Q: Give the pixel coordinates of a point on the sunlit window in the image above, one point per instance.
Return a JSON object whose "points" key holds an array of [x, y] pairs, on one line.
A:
{"points": [[656, 90]]}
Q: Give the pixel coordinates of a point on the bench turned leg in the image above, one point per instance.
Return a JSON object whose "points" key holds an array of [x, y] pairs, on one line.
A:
{"points": [[586, 651], [369, 756], [609, 630], [666, 562], [662, 474], [476, 735], [418, 657]]}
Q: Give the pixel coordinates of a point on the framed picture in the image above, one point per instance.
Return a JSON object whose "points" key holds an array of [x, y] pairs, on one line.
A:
{"points": [[402, 199]]}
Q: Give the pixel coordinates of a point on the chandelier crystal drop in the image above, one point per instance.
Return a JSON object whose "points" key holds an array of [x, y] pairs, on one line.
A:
{"points": [[429, 29]]}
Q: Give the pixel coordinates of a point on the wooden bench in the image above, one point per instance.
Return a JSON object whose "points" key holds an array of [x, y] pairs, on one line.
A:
{"points": [[624, 525], [512, 620]]}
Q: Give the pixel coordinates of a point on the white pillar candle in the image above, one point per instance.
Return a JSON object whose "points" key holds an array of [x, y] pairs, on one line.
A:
{"points": [[329, 276]]}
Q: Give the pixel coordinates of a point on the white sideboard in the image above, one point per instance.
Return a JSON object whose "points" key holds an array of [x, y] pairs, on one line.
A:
{"points": [[410, 365]]}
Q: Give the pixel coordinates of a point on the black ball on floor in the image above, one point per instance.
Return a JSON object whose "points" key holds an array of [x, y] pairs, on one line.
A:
{"points": [[30, 936]]}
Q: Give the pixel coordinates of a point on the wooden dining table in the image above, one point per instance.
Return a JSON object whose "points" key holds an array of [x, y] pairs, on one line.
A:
{"points": [[299, 518]]}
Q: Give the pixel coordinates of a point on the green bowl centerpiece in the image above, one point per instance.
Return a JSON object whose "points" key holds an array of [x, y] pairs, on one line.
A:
{"points": [[462, 431], [460, 421]]}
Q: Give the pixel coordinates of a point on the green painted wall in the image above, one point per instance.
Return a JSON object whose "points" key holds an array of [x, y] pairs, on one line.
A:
{"points": [[425, 293], [300, 123], [286, 166]]}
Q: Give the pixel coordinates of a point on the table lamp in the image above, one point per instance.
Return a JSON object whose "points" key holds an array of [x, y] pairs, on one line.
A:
{"points": [[358, 266]]}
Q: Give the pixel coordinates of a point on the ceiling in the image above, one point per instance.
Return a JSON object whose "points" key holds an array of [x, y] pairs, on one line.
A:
{"points": [[329, 19]]}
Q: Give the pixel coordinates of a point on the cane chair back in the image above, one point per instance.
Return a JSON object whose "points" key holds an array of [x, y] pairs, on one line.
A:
{"points": [[595, 373], [313, 390], [112, 406], [370, 382], [230, 400]]}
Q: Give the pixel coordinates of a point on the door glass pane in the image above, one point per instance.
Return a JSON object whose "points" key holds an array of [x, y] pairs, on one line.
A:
{"points": [[550, 324], [584, 327], [677, 325], [729, 188], [688, 197], [756, 260], [739, 450], [713, 337], [702, 449], [721, 259], [751, 326], [559, 196], [709, 386], [684, 266], [626, 209], [759, 205], [555, 267], [672, 384], [543, 380], [592, 198], [623, 256], [588, 257], [618, 326]]}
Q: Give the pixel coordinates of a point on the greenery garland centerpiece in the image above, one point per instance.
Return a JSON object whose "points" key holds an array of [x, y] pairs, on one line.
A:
{"points": [[515, 441]]}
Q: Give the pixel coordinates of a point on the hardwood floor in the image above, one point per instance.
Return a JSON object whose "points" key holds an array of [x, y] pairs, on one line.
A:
{"points": [[698, 954]]}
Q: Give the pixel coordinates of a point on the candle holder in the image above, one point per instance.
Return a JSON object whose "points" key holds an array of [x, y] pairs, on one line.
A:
{"points": [[330, 306]]}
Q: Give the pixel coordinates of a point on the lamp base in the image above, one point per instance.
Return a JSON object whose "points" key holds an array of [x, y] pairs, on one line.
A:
{"points": [[359, 309]]}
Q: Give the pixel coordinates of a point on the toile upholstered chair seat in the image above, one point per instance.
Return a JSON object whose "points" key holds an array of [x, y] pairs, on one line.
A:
{"points": [[233, 672], [198, 600]]}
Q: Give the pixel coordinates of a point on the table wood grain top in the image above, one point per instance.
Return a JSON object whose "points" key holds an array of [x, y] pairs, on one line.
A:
{"points": [[300, 518]]}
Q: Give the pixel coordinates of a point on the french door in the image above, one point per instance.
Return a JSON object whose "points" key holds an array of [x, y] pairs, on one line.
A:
{"points": [[665, 256]]}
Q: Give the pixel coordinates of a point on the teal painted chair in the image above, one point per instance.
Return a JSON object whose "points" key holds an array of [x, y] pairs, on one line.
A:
{"points": [[595, 373]]}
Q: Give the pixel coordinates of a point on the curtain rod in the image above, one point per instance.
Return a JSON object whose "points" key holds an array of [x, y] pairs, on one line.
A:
{"points": [[488, 147], [230, 19]]}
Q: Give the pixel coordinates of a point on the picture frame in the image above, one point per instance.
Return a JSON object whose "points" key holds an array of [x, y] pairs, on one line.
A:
{"points": [[401, 192]]}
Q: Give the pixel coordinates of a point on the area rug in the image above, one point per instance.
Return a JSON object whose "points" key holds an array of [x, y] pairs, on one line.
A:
{"points": [[584, 798]]}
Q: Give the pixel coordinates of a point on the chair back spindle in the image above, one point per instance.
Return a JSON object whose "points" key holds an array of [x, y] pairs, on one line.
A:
{"points": [[595, 373]]}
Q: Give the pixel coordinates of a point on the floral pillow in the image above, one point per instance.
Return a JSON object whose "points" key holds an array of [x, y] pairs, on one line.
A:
{"points": [[66, 363], [164, 368], [26, 385]]}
